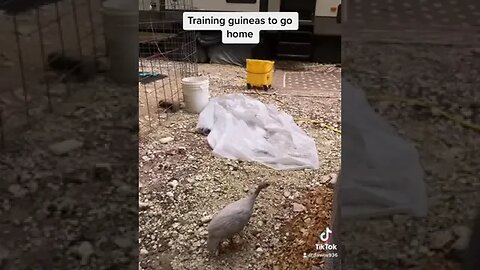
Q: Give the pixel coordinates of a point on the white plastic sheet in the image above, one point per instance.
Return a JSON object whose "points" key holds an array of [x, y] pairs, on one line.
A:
{"points": [[244, 128], [381, 172]]}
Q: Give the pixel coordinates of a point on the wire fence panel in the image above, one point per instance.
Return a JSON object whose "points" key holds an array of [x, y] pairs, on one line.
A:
{"points": [[51, 48], [167, 54]]}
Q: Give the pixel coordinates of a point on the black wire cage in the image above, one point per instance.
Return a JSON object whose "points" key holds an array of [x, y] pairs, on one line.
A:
{"points": [[50, 48], [167, 54]]}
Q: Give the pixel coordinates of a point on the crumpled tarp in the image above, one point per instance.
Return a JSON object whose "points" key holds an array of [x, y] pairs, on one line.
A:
{"points": [[381, 172], [244, 128]]}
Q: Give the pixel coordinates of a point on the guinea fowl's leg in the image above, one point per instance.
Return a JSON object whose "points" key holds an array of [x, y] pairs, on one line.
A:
{"points": [[213, 245], [215, 252], [231, 242], [241, 236]]}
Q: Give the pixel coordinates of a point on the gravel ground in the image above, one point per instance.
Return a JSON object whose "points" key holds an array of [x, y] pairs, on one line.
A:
{"points": [[68, 184], [446, 76], [182, 185]]}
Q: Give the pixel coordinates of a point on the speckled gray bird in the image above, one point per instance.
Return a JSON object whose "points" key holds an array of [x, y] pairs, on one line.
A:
{"points": [[231, 220]]}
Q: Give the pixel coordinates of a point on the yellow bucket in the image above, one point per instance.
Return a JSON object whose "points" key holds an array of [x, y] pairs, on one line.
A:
{"points": [[259, 73]]}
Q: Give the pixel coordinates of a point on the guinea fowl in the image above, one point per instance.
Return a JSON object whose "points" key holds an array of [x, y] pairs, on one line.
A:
{"points": [[231, 220]]}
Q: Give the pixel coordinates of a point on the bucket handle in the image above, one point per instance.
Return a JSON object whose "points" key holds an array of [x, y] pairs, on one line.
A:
{"points": [[260, 72]]}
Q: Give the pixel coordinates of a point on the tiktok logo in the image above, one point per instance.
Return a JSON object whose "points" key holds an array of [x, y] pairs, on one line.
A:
{"points": [[325, 235]]}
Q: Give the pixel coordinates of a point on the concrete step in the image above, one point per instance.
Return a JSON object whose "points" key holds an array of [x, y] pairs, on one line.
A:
{"points": [[295, 36], [305, 22], [294, 56]]}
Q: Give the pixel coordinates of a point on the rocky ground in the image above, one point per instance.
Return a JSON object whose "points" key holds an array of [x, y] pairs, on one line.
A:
{"points": [[68, 194], [182, 185], [446, 136]]}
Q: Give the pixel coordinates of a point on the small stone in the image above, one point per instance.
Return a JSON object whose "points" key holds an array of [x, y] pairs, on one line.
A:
{"points": [[259, 249], [4, 254], [85, 250], [197, 244], [298, 207], [122, 242], [32, 186], [287, 194], [423, 250], [206, 219], [173, 184], [103, 172], [143, 251], [402, 256], [17, 190], [65, 147], [333, 178], [400, 219], [6, 205], [170, 194], [26, 30], [143, 205], [57, 89], [20, 94], [325, 179], [182, 149], [463, 233], [7, 64], [439, 239], [166, 140]]}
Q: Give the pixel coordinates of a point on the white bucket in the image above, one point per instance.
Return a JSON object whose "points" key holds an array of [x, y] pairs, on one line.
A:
{"points": [[121, 37], [195, 93]]}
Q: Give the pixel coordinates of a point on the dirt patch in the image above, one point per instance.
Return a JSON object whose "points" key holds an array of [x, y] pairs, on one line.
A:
{"points": [[304, 230]]}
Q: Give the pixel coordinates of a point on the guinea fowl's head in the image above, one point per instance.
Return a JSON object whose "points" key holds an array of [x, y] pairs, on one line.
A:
{"points": [[261, 187]]}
